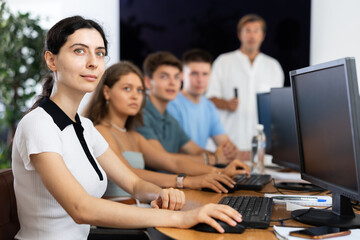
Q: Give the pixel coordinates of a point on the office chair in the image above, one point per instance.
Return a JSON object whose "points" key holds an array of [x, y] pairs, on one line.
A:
{"points": [[9, 222], [117, 234]]}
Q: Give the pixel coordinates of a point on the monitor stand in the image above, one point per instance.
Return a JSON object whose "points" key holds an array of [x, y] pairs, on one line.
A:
{"points": [[342, 215], [305, 187]]}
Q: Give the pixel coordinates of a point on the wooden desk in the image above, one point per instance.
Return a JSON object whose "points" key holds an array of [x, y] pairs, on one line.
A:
{"points": [[198, 198]]}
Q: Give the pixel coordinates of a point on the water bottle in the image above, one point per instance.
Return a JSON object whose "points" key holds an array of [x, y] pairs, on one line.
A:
{"points": [[258, 145]]}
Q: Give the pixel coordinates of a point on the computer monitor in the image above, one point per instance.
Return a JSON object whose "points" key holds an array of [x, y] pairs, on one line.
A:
{"points": [[285, 149], [263, 104], [283, 129], [327, 104]]}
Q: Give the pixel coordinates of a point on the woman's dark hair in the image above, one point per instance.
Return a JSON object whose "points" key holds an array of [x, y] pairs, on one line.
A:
{"points": [[97, 108], [56, 38]]}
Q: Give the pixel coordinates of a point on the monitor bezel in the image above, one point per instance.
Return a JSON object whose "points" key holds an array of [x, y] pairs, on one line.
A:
{"points": [[353, 105]]}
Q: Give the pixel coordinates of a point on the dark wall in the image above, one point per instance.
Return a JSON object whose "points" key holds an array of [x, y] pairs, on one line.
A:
{"points": [[178, 25]]}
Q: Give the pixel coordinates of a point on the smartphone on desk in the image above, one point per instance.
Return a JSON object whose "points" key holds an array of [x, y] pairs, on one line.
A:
{"points": [[320, 232]]}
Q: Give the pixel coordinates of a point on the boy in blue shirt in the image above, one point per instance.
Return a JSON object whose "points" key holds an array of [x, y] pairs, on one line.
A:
{"points": [[196, 114]]}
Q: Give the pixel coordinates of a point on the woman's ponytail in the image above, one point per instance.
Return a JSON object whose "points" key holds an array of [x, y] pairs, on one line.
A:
{"points": [[48, 83]]}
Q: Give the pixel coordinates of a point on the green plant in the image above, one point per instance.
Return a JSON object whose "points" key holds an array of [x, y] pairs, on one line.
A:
{"points": [[21, 39]]}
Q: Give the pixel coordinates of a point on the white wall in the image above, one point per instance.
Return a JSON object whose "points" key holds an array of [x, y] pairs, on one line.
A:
{"points": [[105, 13], [335, 30]]}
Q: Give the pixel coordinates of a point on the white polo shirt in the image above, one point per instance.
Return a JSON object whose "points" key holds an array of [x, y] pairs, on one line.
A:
{"points": [[49, 129], [234, 70]]}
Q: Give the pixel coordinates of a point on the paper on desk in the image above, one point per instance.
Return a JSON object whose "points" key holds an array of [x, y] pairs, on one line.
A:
{"points": [[282, 233], [328, 200], [292, 207], [284, 175]]}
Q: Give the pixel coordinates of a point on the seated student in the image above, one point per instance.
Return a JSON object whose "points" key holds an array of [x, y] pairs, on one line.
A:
{"points": [[162, 75], [61, 162], [196, 114], [115, 109]]}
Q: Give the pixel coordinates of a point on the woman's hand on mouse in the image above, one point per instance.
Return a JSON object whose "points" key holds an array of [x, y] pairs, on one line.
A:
{"points": [[207, 214]]}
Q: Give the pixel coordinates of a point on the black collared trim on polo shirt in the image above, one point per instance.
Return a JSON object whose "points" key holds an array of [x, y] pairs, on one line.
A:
{"points": [[62, 121]]}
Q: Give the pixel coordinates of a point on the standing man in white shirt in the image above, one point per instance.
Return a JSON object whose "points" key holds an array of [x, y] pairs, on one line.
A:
{"points": [[247, 72]]}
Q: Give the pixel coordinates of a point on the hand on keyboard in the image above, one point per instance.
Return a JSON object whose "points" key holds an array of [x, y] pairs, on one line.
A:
{"points": [[214, 182], [236, 167], [255, 211], [228, 189]]}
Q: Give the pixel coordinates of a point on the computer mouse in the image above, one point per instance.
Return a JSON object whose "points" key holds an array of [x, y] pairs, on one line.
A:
{"points": [[220, 165], [230, 190], [202, 227]]}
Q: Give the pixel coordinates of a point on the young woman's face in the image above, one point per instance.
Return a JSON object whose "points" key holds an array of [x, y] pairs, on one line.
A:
{"points": [[80, 62], [126, 95]]}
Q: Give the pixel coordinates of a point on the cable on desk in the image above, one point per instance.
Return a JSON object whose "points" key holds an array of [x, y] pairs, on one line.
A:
{"points": [[291, 218], [294, 191]]}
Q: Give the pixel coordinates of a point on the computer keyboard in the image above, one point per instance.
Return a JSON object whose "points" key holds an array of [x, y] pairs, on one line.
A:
{"points": [[254, 182], [255, 211]]}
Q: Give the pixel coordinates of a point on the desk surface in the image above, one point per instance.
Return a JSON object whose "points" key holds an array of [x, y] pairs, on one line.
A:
{"points": [[198, 198]]}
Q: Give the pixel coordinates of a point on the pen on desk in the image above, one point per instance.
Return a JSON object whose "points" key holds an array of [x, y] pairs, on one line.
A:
{"points": [[300, 198]]}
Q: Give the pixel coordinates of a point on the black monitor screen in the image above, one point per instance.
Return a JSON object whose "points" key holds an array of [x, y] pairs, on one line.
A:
{"points": [[283, 129], [326, 131], [326, 101], [263, 104]]}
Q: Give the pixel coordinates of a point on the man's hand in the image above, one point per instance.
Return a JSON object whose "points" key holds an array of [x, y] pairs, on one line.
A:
{"points": [[229, 149], [210, 180], [220, 156], [229, 105], [243, 155], [236, 167], [232, 104]]}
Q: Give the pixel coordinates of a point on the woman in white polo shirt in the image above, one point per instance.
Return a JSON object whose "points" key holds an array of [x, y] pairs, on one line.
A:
{"points": [[61, 162]]}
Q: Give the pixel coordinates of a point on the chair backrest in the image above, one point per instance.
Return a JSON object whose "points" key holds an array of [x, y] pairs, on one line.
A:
{"points": [[9, 222]]}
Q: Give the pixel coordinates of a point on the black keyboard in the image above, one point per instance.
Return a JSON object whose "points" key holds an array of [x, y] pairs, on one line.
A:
{"points": [[255, 211], [254, 182]]}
